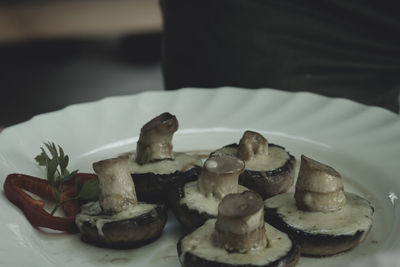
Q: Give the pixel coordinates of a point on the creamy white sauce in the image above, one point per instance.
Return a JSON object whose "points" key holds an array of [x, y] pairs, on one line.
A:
{"points": [[308, 199], [356, 215], [275, 158], [92, 213], [197, 201], [200, 243], [182, 162]]}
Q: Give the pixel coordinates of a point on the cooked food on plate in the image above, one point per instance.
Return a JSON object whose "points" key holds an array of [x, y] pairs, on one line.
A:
{"points": [[238, 237], [155, 167], [235, 208], [269, 170], [196, 201], [323, 218], [118, 219], [62, 188]]}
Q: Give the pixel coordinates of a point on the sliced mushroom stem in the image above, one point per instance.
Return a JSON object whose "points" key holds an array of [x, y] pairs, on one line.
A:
{"points": [[220, 175], [155, 140], [117, 190], [319, 187], [252, 144], [240, 223]]}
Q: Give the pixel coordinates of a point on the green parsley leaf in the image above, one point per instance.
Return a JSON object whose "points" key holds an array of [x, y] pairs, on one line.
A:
{"points": [[89, 191], [56, 168], [64, 160], [42, 158], [51, 170], [52, 149]]}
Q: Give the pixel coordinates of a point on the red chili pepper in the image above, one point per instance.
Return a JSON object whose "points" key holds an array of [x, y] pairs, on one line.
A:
{"points": [[33, 209]]}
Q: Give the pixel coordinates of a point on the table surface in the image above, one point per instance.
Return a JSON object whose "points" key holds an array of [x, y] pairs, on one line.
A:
{"points": [[26, 20]]}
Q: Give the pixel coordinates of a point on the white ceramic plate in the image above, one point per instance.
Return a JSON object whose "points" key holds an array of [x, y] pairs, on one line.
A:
{"points": [[362, 143]]}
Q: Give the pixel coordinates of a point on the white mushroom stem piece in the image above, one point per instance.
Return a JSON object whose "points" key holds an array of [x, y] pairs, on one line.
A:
{"points": [[319, 187], [220, 175], [252, 144], [117, 190], [155, 140], [240, 223]]}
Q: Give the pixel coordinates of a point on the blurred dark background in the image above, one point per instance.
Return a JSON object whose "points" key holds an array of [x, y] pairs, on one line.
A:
{"points": [[347, 49], [56, 53]]}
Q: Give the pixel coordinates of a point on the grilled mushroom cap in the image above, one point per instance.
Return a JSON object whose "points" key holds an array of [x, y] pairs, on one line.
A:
{"points": [[321, 233], [156, 187], [269, 170], [118, 220], [154, 152], [128, 229], [323, 219], [239, 237], [193, 202]]}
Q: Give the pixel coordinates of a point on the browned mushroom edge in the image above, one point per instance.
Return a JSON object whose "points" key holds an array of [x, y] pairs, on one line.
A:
{"points": [[239, 237], [271, 182], [127, 233], [154, 188], [315, 244], [153, 147], [190, 217], [190, 260]]}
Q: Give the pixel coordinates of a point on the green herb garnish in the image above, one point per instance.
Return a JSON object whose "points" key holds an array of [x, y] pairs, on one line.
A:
{"points": [[57, 174]]}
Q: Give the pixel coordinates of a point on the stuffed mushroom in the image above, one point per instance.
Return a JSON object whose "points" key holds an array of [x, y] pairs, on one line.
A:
{"points": [[270, 169], [155, 167], [193, 202], [238, 237], [320, 215], [118, 220]]}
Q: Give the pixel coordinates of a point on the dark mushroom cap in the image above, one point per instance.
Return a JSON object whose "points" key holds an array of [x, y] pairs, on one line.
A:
{"points": [[153, 153], [268, 182], [196, 249], [191, 206], [343, 230], [153, 187], [126, 232]]}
